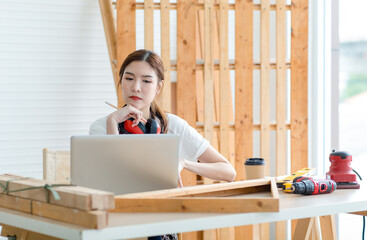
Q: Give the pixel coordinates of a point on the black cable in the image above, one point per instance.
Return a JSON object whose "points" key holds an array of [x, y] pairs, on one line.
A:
{"points": [[363, 227], [360, 178], [364, 217]]}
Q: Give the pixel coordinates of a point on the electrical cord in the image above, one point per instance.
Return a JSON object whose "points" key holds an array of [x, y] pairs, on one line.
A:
{"points": [[364, 227], [360, 178], [364, 217]]}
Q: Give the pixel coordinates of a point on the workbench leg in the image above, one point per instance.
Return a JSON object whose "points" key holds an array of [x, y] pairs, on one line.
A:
{"points": [[303, 228], [22, 234], [281, 230], [256, 232], [227, 233], [328, 228], [8, 231], [316, 232]]}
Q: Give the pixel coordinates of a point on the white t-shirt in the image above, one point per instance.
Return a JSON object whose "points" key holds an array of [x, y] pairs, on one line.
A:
{"points": [[191, 143]]}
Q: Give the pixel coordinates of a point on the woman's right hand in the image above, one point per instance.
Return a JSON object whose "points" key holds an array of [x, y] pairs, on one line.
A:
{"points": [[122, 115]]}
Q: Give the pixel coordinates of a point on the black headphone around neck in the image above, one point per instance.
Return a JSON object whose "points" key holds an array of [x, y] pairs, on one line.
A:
{"points": [[151, 127]]}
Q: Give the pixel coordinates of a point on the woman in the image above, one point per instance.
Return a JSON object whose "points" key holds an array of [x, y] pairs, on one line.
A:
{"points": [[141, 80]]}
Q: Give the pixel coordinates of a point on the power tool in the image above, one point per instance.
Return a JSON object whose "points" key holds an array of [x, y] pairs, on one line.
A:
{"points": [[309, 186], [341, 171], [290, 178]]}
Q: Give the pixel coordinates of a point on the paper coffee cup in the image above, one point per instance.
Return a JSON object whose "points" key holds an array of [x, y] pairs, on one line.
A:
{"points": [[255, 168]]}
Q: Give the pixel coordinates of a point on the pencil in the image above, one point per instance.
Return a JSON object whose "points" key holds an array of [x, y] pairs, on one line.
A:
{"points": [[111, 105], [143, 119]]}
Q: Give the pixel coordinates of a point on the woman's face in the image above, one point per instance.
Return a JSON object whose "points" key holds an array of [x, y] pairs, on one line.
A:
{"points": [[140, 85]]}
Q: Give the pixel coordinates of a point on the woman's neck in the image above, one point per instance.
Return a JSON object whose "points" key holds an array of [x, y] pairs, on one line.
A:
{"points": [[146, 114]]}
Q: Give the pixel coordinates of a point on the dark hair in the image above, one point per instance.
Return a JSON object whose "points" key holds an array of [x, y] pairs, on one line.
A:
{"points": [[155, 62]]}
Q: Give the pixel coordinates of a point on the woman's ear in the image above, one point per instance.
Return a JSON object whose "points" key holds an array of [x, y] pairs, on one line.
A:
{"points": [[160, 87]]}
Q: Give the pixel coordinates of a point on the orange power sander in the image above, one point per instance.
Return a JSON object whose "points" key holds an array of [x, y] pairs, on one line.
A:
{"points": [[341, 171]]}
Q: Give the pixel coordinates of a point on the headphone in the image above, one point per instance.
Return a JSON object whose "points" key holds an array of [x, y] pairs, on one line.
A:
{"points": [[151, 127]]}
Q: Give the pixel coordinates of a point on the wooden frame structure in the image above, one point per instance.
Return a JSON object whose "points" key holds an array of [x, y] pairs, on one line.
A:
{"points": [[222, 197], [202, 95]]}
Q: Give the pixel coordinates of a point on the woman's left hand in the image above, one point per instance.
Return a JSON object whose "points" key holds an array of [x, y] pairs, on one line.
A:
{"points": [[181, 165]]}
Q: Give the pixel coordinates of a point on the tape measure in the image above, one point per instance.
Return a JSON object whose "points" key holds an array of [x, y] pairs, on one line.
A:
{"points": [[289, 179]]}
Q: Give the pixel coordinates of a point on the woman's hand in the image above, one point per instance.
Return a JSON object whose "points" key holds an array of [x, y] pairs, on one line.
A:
{"points": [[181, 165], [122, 115]]}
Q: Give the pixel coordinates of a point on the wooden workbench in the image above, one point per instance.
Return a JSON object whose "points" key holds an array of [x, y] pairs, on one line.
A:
{"points": [[131, 225]]}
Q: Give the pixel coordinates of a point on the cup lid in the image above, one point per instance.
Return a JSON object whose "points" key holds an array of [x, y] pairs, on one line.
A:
{"points": [[255, 161]]}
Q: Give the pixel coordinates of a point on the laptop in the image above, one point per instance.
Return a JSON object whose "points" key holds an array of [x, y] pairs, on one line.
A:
{"points": [[125, 163]]}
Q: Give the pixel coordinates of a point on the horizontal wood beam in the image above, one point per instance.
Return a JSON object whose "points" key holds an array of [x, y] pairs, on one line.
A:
{"points": [[200, 6], [200, 65], [273, 126]]}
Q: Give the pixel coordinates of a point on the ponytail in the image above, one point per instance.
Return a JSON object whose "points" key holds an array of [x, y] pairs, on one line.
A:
{"points": [[157, 112]]}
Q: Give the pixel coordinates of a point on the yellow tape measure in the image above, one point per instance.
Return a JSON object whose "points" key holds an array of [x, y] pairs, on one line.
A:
{"points": [[289, 179]]}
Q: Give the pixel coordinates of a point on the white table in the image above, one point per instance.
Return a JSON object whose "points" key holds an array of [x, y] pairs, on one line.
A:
{"points": [[131, 225]]}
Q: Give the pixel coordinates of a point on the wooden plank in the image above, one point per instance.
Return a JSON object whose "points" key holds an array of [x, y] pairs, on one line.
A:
{"points": [[186, 66], [91, 219], [328, 227], [208, 70], [316, 231], [208, 75], [218, 205], [200, 6], [244, 84], [363, 213], [264, 85], [126, 39], [281, 94], [264, 97], [224, 95], [15, 203], [200, 189], [200, 65], [165, 54], [200, 73], [22, 234], [148, 25], [70, 196], [243, 95], [56, 166], [224, 84], [299, 83], [216, 59], [109, 24], [303, 228], [299, 87], [222, 197], [256, 126], [174, 98], [200, 97]]}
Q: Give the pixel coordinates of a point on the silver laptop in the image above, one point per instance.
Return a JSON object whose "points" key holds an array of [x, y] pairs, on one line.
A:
{"points": [[125, 163]]}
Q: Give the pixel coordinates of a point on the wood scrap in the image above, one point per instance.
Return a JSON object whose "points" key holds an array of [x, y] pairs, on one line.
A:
{"points": [[15, 203], [70, 196], [218, 205], [22, 234], [220, 198], [90, 219], [77, 205]]}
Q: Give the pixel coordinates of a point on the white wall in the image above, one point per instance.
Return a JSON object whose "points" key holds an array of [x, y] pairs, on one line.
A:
{"points": [[54, 78]]}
